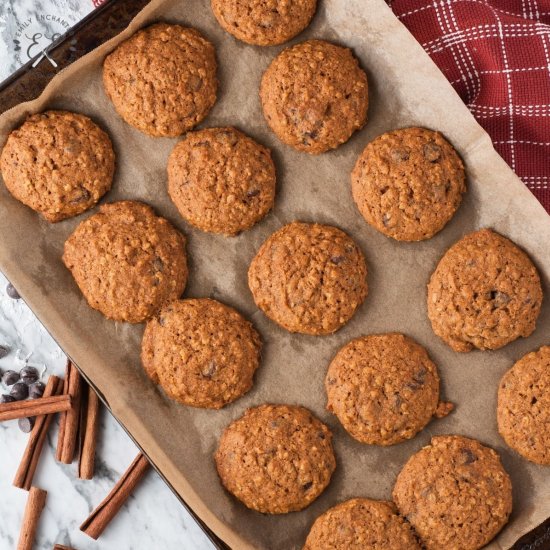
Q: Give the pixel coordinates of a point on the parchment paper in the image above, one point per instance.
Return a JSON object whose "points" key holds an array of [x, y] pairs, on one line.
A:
{"points": [[406, 89]]}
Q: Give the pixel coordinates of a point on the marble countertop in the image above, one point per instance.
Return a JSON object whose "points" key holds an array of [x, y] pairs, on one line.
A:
{"points": [[152, 517]]}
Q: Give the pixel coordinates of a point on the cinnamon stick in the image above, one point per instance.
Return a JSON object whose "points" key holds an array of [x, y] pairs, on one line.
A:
{"points": [[35, 407], [29, 461], [68, 433], [88, 433], [63, 417], [33, 509], [98, 520]]}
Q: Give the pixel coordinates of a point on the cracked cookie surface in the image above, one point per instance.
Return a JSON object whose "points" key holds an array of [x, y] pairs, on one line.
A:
{"points": [[361, 523], [455, 493], [408, 183], [523, 410], [484, 293], [264, 22], [202, 352], [162, 80], [314, 96], [127, 261], [58, 163], [276, 458], [383, 388], [221, 180], [309, 278]]}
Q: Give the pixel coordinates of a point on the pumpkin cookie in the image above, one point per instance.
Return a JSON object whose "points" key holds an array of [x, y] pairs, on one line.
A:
{"points": [[309, 278], [360, 523], [221, 180], [127, 261], [383, 388], [203, 353], [276, 458], [408, 183], [264, 23], [162, 80], [58, 163], [314, 96], [455, 493], [484, 293], [523, 410]]}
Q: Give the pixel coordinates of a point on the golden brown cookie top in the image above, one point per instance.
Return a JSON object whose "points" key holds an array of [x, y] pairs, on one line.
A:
{"points": [[484, 293], [264, 22], [309, 278], [314, 96], [58, 163], [202, 352], [383, 388], [276, 458], [455, 493], [221, 180], [127, 261], [523, 410], [361, 524], [408, 183], [162, 80]]}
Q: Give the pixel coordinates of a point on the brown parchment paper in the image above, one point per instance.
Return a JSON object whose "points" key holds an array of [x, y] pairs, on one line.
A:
{"points": [[406, 89]]}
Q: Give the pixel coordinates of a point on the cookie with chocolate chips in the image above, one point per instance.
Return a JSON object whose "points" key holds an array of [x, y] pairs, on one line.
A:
{"points": [[221, 180], [309, 278], [264, 23], [276, 458], [203, 353], [315, 96], [162, 80], [408, 183], [127, 261], [455, 493], [58, 163], [523, 410], [359, 524], [383, 388], [484, 293]]}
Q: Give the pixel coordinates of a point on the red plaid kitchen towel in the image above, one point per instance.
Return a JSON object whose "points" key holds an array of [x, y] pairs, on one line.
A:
{"points": [[496, 54]]}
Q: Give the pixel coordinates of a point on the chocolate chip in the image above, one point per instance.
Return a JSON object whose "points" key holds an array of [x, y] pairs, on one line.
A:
{"points": [[337, 259], [12, 293], [322, 435], [26, 424], [468, 456], [384, 190], [19, 391], [5, 398], [158, 264], [400, 154], [307, 486], [36, 390], [29, 375], [432, 152], [83, 196], [499, 298], [253, 193], [210, 370], [4, 350], [10, 377], [420, 376]]}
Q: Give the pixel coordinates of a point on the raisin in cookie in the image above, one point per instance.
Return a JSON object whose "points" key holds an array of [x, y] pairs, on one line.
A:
{"points": [[276, 458], [162, 80], [383, 388], [221, 180], [408, 183], [484, 293], [127, 261], [360, 524], [523, 410], [309, 278], [58, 163], [315, 96], [455, 493], [264, 22], [202, 352]]}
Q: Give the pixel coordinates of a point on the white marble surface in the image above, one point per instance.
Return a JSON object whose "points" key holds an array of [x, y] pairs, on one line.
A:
{"points": [[152, 518]]}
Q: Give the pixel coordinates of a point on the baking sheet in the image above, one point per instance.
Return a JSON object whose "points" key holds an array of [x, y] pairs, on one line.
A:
{"points": [[405, 89]]}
